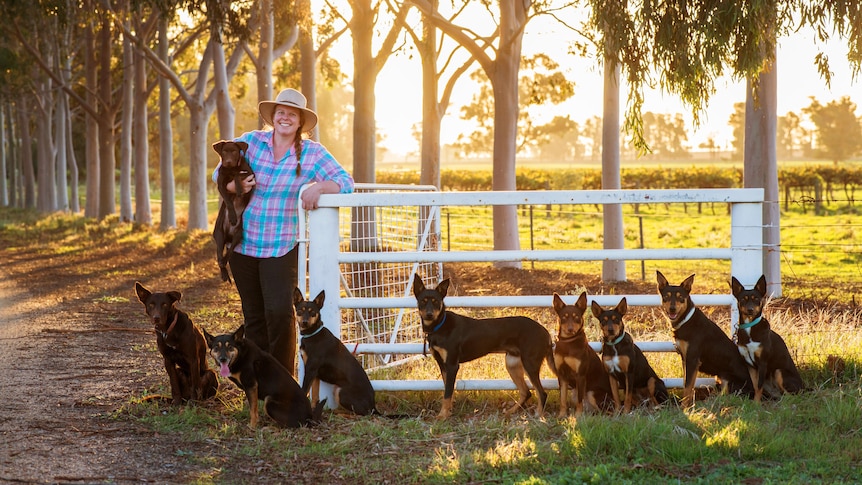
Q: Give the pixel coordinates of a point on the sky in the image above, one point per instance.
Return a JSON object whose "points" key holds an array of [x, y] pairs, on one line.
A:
{"points": [[399, 99]]}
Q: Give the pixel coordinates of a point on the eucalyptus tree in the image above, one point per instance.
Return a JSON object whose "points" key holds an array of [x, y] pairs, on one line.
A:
{"points": [[498, 53], [687, 45]]}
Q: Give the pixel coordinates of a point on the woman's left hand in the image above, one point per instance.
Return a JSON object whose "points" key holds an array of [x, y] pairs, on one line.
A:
{"points": [[310, 196]]}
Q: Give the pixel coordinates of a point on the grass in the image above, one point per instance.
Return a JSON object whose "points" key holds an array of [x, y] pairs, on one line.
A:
{"points": [[807, 438]]}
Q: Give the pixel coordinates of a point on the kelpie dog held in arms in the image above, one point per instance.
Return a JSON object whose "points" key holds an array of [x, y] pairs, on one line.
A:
{"points": [[578, 365], [455, 338], [326, 359], [181, 344], [701, 344], [227, 231], [764, 351], [626, 363], [261, 376]]}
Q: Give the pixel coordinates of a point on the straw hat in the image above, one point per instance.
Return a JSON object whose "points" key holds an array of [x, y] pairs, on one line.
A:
{"points": [[294, 99]]}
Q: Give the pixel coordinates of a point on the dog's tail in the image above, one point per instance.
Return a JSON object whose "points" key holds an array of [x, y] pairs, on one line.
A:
{"points": [[317, 413], [550, 355]]}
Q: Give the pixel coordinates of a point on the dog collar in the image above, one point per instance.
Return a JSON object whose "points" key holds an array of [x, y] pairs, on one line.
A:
{"points": [[170, 327], [439, 324], [312, 334], [751, 323], [686, 319], [617, 340]]}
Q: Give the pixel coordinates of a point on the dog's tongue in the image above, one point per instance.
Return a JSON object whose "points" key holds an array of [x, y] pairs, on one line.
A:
{"points": [[225, 370]]}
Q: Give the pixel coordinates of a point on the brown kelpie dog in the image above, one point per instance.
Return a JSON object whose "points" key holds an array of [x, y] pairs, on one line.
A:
{"points": [[181, 344], [702, 345], [763, 350], [626, 363], [261, 376], [578, 365], [326, 359], [227, 231], [455, 338]]}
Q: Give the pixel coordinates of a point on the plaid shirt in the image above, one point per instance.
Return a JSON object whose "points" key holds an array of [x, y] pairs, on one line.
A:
{"points": [[270, 222]]}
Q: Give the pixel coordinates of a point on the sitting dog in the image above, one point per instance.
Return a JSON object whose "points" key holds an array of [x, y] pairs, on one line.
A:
{"points": [[578, 365], [702, 345], [181, 344], [326, 359], [455, 338], [261, 376], [625, 362], [227, 231], [764, 351]]}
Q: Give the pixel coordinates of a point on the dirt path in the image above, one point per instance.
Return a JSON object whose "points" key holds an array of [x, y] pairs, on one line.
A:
{"points": [[67, 366]]}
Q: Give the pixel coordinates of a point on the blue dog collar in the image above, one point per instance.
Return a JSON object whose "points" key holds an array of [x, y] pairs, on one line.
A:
{"points": [[751, 323], [618, 340], [439, 324], [312, 334]]}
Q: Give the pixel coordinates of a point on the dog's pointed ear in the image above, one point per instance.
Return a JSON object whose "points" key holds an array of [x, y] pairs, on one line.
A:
{"points": [[297, 296], [558, 302], [209, 338], [443, 287], [175, 296], [597, 310], [661, 280], [319, 298], [418, 285], [217, 146], [239, 334], [622, 306], [735, 286], [761, 285], [687, 283], [142, 292], [582, 302]]}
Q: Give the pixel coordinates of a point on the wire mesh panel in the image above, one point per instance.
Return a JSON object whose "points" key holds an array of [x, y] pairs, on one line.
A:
{"points": [[375, 229]]}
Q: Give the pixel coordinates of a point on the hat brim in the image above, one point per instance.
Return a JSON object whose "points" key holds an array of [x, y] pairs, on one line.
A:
{"points": [[266, 108]]}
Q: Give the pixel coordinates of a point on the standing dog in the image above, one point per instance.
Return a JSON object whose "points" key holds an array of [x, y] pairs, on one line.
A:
{"points": [[578, 365], [326, 359], [455, 338], [227, 231], [181, 345], [763, 350], [261, 376], [701, 344], [625, 362]]}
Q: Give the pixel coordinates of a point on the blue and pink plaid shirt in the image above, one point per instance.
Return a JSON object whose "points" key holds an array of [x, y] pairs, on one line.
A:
{"points": [[270, 222]]}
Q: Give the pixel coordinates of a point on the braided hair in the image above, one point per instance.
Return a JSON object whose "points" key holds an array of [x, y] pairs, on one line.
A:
{"points": [[297, 142]]}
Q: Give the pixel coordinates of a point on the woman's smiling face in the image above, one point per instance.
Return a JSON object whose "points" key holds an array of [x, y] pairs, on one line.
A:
{"points": [[286, 120]]}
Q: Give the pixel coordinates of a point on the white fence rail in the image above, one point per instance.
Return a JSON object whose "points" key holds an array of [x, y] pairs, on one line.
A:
{"points": [[325, 255]]}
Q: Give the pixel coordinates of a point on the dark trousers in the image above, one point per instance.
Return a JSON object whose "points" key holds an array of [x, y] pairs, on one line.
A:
{"points": [[265, 286]]}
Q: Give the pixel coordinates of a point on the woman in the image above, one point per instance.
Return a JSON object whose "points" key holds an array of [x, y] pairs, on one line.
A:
{"points": [[264, 265]]}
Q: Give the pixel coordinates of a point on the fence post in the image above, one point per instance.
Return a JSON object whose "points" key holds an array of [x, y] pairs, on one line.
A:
{"points": [[324, 274], [746, 241]]}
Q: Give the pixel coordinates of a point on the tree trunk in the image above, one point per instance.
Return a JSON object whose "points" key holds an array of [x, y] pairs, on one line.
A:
{"points": [[264, 56], [126, 131], [29, 181], [364, 101], [761, 168], [4, 162], [166, 136], [107, 158], [61, 113], [614, 237], [91, 204], [140, 134], [308, 61]]}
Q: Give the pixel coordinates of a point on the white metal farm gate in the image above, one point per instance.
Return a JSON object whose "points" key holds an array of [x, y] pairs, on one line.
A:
{"points": [[328, 252]]}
